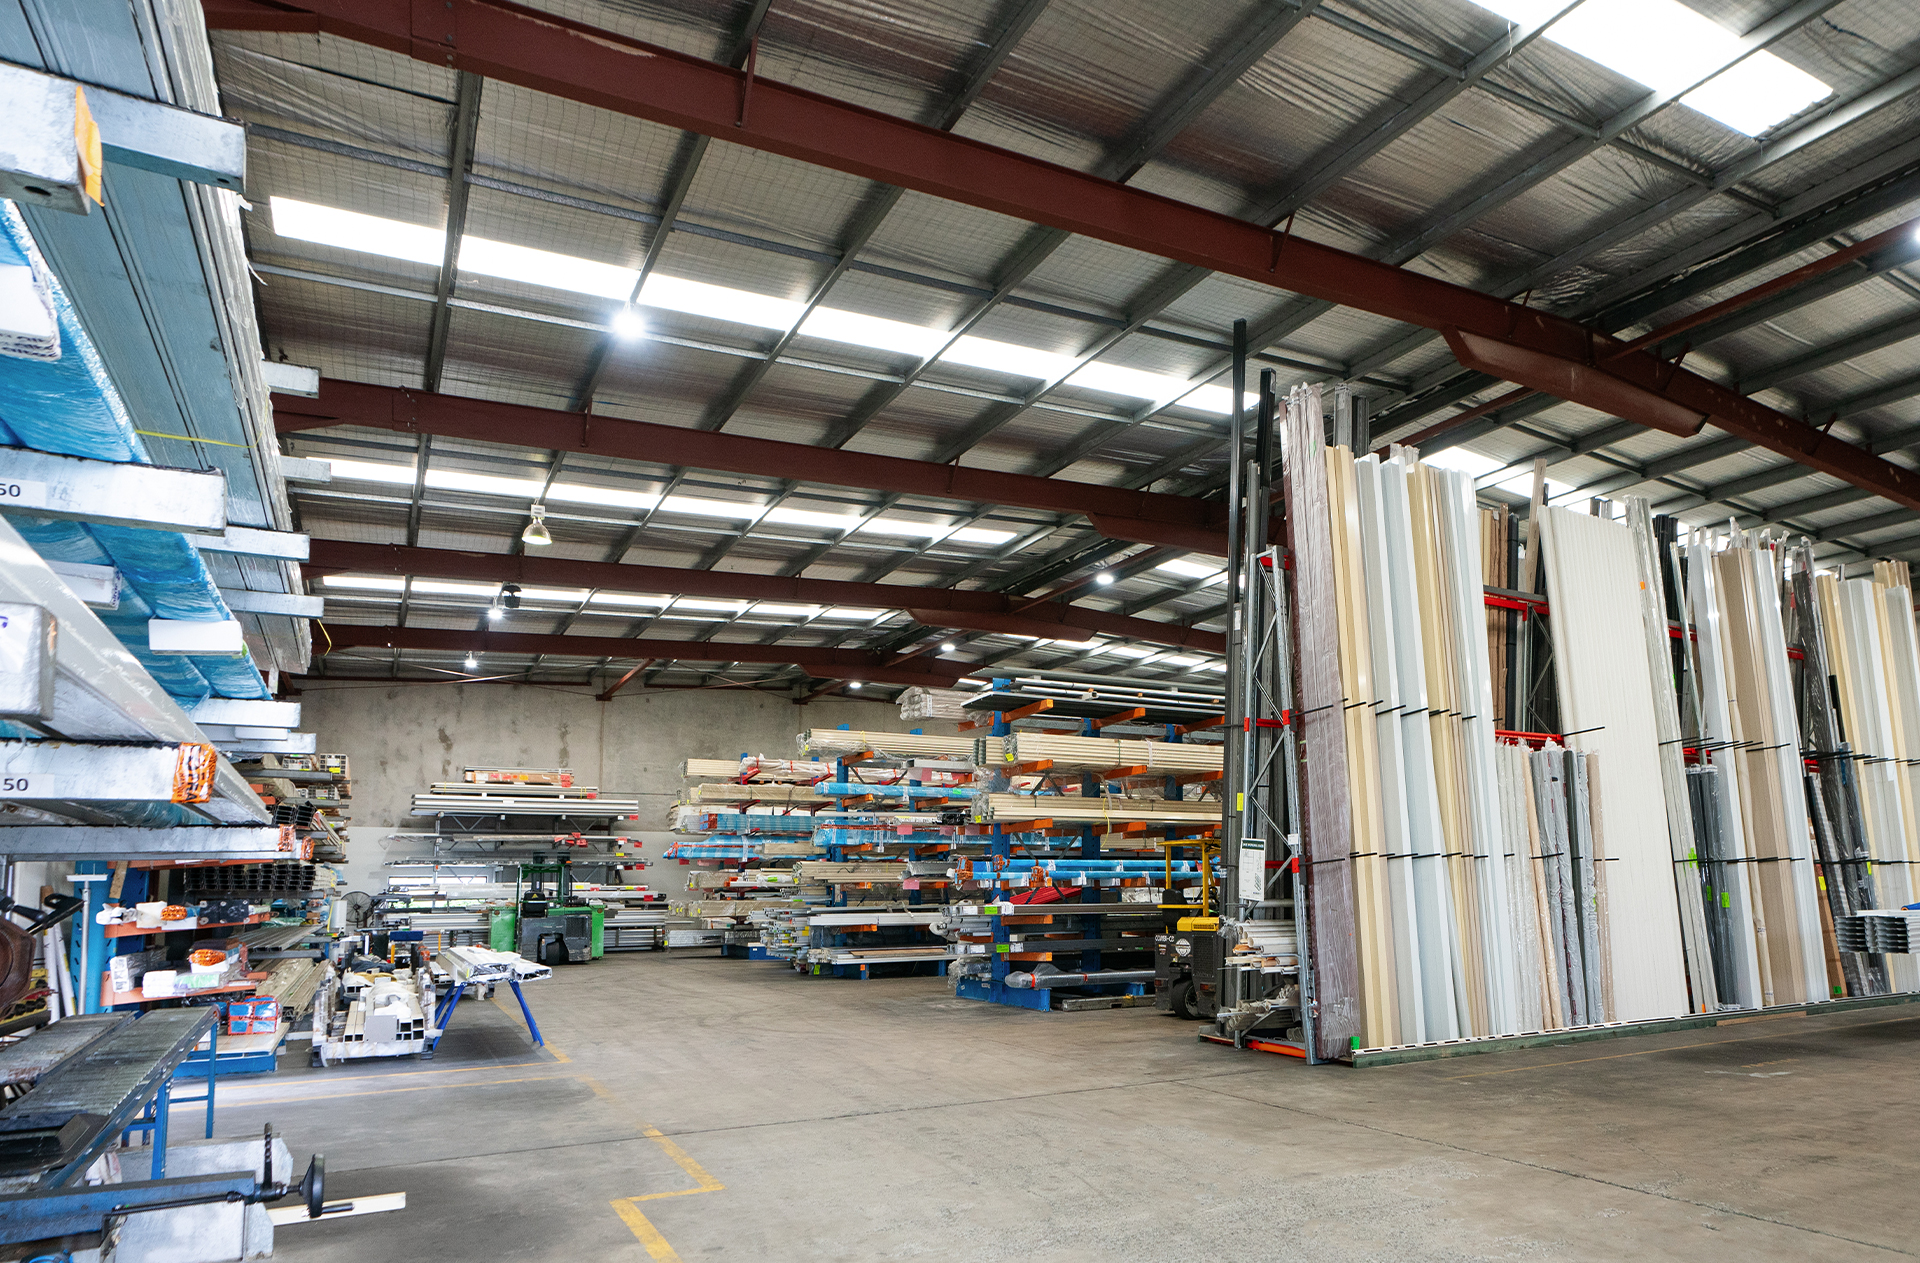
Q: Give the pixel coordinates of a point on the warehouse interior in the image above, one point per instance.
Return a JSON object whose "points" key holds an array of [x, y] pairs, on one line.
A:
{"points": [[832, 629]]}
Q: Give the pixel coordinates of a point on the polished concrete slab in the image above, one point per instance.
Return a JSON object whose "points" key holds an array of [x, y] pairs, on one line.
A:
{"points": [[691, 1107]]}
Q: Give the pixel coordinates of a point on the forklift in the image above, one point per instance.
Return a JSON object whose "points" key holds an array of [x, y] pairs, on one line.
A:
{"points": [[1186, 963], [552, 928]]}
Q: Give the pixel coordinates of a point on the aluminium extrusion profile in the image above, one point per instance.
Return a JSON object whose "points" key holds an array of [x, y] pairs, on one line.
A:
{"points": [[294, 743], [234, 710], [100, 692], [46, 773], [291, 604], [93, 842], [113, 493]]}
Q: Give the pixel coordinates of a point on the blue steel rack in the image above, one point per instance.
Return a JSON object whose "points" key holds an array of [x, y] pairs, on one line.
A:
{"points": [[994, 988]]}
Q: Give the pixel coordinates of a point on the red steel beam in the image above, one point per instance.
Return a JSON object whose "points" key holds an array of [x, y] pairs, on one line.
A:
{"points": [[1693, 320], [935, 607], [1143, 517], [1071, 622], [550, 54], [844, 664]]}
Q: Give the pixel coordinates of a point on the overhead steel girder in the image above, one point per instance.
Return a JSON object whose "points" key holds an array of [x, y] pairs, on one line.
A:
{"points": [[600, 68], [826, 663], [1142, 517], [935, 607]]}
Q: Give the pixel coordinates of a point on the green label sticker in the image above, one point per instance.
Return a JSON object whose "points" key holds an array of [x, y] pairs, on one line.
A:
{"points": [[1726, 898]]}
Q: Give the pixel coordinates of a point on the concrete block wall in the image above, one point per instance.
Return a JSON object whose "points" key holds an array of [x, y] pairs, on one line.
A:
{"points": [[404, 737]]}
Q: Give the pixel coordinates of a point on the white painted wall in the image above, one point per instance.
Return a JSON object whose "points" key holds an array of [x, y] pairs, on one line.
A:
{"points": [[403, 737]]}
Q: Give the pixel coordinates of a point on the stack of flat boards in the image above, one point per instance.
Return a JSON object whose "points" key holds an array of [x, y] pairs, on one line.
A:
{"points": [[1435, 931], [1607, 709]]}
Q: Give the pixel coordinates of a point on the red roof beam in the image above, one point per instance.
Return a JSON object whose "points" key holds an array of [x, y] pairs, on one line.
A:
{"points": [[932, 606], [1143, 517], [546, 53], [846, 664]]}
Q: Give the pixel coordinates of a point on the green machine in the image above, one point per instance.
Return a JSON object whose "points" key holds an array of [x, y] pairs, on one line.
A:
{"points": [[549, 925]]}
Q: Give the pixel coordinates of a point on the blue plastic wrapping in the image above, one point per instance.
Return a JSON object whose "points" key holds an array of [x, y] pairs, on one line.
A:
{"points": [[67, 405], [70, 406], [59, 540]]}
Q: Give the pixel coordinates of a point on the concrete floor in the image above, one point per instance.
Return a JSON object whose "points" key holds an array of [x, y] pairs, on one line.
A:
{"points": [[698, 1108]]}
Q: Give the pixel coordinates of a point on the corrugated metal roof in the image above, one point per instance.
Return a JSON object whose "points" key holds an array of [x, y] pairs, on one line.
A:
{"points": [[367, 130]]}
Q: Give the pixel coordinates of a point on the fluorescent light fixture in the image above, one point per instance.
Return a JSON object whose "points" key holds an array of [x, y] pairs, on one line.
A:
{"points": [[1128, 651], [390, 238], [371, 583], [1181, 660], [1103, 578], [537, 533], [628, 324], [1668, 46], [454, 587], [854, 684], [349, 230], [1191, 569], [789, 611], [719, 302], [618, 598], [370, 471], [544, 267], [949, 647], [874, 332]]}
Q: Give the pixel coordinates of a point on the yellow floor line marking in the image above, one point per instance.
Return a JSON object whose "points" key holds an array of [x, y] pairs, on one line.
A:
{"points": [[1648, 1052], [425, 1087], [628, 1208]]}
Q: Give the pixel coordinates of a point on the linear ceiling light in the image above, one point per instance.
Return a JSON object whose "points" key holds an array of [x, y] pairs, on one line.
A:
{"points": [[1668, 46], [691, 506], [371, 234]]}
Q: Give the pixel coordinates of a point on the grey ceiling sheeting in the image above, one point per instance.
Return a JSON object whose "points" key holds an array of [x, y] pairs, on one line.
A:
{"points": [[1077, 82]]}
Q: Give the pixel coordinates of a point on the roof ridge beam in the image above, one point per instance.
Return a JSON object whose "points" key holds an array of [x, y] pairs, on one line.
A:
{"points": [[1140, 516], [941, 606], [845, 664]]}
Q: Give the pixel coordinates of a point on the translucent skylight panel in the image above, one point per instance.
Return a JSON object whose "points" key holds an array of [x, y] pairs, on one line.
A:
{"points": [[374, 583], [1005, 357], [872, 331], [1191, 569], [450, 587], [622, 599], [485, 484], [1757, 93], [394, 239], [719, 302], [370, 471], [612, 497], [1133, 383], [980, 535], [1668, 46], [350, 230], [544, 267]]}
